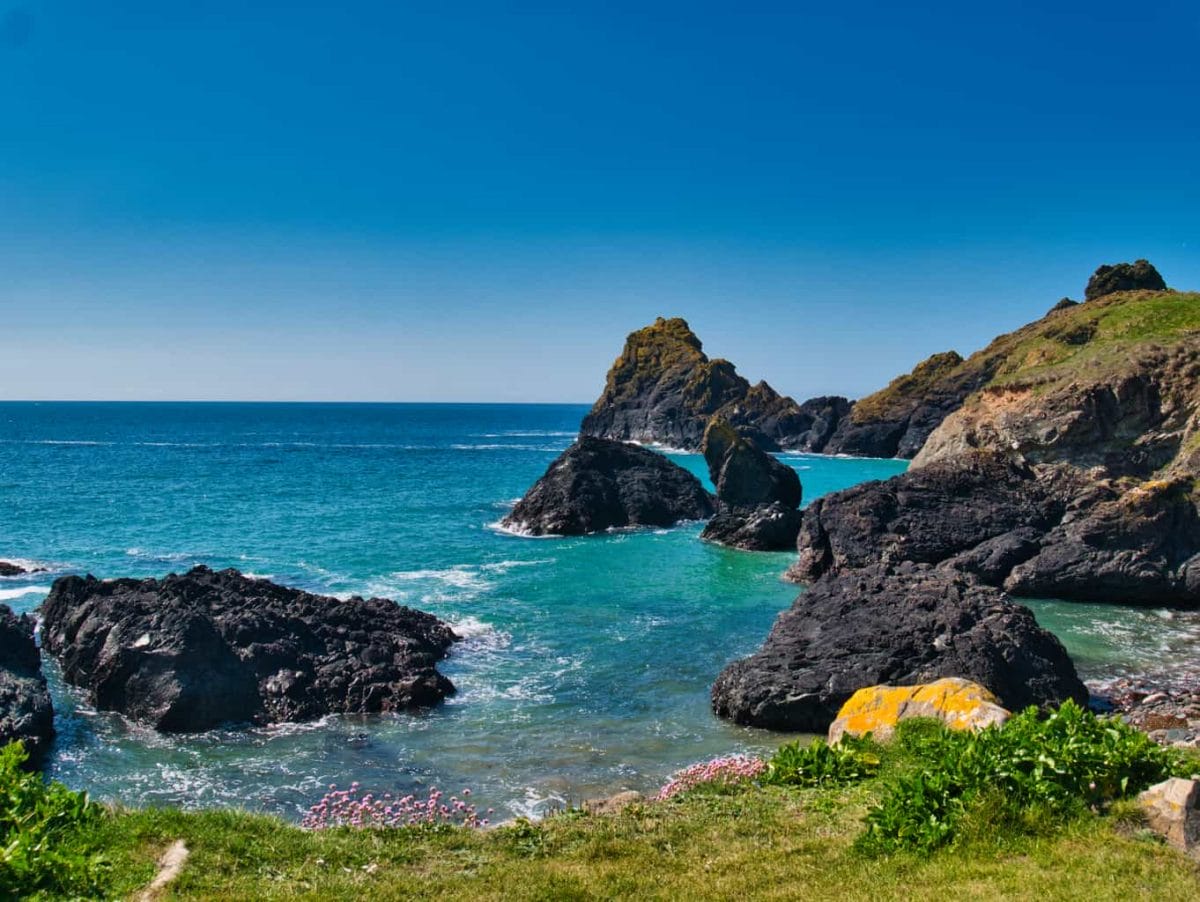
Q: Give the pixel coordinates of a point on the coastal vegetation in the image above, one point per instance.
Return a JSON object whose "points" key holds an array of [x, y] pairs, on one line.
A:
{"points": [[1036, 806]]}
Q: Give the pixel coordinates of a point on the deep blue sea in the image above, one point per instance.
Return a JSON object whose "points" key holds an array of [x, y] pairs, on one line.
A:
{"points": [[587, 661]]}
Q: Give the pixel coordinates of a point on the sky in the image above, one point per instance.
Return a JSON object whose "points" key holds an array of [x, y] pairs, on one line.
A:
{"points": [[478, 201]]}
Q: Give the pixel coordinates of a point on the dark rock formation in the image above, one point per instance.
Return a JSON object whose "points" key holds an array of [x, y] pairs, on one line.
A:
{"points": [[8, 568], [895, 421], [1142, 547], [1137, 276], [25, 709], [926, 515], [900, 624], [1064, 304], [190, 652], [757, 496], [598, 484], [663, 389]]}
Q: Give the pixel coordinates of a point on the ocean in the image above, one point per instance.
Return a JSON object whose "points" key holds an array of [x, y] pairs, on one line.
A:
{"points": [[586, 662]]}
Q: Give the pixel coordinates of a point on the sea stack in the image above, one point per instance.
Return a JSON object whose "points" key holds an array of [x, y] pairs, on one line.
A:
{"points": [[663, 389], [26, 713], [757, 496], [599, 484]]}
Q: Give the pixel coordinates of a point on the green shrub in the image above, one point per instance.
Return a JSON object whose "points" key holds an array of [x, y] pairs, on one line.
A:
{"points": [[40, 825], [1052, 767], [821, 764]]}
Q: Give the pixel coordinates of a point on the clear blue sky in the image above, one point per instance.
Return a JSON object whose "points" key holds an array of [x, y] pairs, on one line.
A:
{"points": [[477, 201]]}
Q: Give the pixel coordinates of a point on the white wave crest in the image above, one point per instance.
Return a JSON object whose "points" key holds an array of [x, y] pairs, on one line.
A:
{"points": [[6, 594]]}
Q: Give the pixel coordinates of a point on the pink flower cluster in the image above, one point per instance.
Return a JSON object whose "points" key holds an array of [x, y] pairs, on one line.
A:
{"points": [[346, 808], [731, 769]]}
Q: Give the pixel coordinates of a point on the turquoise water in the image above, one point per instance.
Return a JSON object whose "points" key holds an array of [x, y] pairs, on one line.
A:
{"points": [[587, 662]]}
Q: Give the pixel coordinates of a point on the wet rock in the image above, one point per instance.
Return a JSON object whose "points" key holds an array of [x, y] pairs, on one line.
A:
{"points": [[26, 713], [757, 496], [7, 568], [1137, 276], [900, 624], [598, 484], [193, 651]]}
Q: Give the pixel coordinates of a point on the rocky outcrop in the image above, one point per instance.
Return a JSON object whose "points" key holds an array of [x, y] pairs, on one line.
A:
{"points": [[26, 713], [193, 651], [957, 703], [663, 389], [930, 515], [898, 624], [598, 484], [7, 568], [1137, 276], [895, 421], [757, 496]]}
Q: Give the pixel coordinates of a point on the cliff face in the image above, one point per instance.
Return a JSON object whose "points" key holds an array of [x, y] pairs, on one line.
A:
{"points": [[664, 389]]}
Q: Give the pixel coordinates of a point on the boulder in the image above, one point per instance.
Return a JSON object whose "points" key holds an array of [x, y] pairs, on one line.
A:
{"points": [[613, 804], [959, 704], [1137, 276], [897, 624], [26, 713], [757, 496], [7, 568], [193, 651], [1172, 811], [598, 484], [664, 389]]}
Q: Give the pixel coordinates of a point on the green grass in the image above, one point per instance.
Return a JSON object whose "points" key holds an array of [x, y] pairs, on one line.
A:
{"points": [[751, 842], [795, 834]]}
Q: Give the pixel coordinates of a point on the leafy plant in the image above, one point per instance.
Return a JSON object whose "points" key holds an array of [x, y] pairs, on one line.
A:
{"points": [[1057, 766], [819, 764], [39, 824]]}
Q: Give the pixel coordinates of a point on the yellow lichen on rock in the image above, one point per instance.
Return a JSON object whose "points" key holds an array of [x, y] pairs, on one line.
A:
{"points": [[959, 704]]}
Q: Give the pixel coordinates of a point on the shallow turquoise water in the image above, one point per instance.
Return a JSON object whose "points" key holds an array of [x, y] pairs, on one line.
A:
{"points": [[587, 662]]}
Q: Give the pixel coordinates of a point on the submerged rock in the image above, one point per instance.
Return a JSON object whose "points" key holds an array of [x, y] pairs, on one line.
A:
{"points": [[959, 704], [899, 624], [598, 484], [757, 496], [7, 568], [193, 651], [663, 389], [1137, 276], [26, 713]]}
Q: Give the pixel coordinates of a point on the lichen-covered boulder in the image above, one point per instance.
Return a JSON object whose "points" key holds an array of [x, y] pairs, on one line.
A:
{"points": [[959, 704], [1173, 812]]}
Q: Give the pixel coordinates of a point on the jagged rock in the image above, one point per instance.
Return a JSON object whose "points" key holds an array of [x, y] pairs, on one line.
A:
{"points": [[757, 496], [1173, 812], [598, 484], [895, 421], [1064, 304], [663, 389], [1142, 547], [192, 651], [957, 703], [1137, 276], [927, 515], [901, 624], [26, 713], [7, 568]]}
